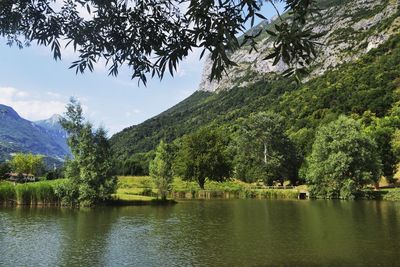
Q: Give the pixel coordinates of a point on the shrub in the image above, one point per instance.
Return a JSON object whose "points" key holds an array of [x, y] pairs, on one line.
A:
{"points": [[147, 192], [66, 192]]}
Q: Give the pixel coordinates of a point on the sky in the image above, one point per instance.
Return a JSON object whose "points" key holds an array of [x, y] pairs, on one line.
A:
{"points": [[38, 87]]}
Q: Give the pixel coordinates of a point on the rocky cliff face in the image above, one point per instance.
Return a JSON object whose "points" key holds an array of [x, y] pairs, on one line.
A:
{"points": [[351, 29]]}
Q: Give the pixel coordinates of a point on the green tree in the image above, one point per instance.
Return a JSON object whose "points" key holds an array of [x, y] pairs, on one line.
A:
{"points": [[5, 168], [27, 163], [343, 159], [396, 144], [382, 130], [264, 152], [135, 32], [203, 155], [91, 169], [161, 169]]}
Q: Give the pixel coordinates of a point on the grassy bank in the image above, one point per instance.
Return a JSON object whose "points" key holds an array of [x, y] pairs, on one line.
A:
{"points": [[38, 193], [392, 194], [140, 190], [143, 187], [46, 193]]}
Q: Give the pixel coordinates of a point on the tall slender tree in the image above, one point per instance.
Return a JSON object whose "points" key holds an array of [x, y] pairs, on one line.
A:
{"points": [[91, 169], [161, 169]]}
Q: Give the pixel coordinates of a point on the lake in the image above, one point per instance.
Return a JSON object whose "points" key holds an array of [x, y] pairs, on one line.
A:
{"points": [[205, 233]]}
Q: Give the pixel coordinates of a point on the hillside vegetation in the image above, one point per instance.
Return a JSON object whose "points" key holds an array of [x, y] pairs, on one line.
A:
{"points": [[20, 135], [371, 84]]}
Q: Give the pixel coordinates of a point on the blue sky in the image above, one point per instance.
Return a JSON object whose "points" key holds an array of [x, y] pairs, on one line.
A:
{"points": [[37, 87]]}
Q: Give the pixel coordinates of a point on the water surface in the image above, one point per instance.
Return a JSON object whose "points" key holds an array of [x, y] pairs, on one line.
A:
{"points": [[205, 233]]}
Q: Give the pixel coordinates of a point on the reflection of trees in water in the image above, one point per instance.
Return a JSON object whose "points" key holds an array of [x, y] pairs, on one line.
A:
{"points": [[151, 236], [85, 236], [205, 233], [345, 232], [387, 223]]}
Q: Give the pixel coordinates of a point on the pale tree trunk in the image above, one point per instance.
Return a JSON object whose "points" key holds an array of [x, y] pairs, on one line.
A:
{"points": [[265, 153]]}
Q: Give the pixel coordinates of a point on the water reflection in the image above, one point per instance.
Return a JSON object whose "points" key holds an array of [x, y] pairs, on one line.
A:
{"points": [[205, 233]]}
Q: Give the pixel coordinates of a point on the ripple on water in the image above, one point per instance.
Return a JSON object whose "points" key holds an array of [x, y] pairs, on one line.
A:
{"points": [[205, 233]]}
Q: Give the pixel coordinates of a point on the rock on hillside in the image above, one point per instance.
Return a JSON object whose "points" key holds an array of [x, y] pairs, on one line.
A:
{"points": [[351, 29]]}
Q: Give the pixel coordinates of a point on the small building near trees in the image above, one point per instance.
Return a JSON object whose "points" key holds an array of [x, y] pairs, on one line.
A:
{"points": [[21, 177]]}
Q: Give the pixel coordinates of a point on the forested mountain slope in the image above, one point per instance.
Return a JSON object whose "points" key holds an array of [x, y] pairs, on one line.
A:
{"points": [[368, 84], [20, 135], [364, 79]]}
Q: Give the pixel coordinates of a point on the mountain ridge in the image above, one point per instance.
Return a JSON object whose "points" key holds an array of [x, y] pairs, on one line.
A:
{"points": [[20, 135]]}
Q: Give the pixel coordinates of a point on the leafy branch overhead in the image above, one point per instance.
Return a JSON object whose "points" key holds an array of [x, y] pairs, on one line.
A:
{"points": [[153, 36]]}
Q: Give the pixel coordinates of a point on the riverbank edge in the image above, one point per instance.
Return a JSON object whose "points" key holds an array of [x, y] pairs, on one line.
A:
{"points": [[46, 196]]}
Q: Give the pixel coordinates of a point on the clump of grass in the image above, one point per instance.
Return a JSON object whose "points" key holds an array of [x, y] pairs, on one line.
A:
{"points": [[190, 189], [38, 193], [44, 193], [7, 192], [135, 182], [277, 193], [392, 194], [24, 194]]}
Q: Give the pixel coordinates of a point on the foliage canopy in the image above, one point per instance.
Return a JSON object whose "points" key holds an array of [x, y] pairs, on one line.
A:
{"points": [[203, 155], [264, 151], [369, 85], [91, 170], [161, 169], [343, 159], [152, 36], [27, 163]]}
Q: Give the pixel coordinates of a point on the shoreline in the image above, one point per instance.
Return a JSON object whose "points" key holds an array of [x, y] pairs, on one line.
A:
{"points": [[139, 191]]}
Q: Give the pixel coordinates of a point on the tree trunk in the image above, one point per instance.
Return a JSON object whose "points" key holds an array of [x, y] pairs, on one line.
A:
{"points": [[265, 153], [202, 181], [376, 186]]}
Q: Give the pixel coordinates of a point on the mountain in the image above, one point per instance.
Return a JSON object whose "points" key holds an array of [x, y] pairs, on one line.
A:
{"points": [[357, 70], [350, 29], [53, 128], [20, 135]]}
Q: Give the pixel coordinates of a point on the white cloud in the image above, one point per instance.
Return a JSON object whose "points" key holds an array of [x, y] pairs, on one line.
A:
{"points": [[29, 107], [132, 113], [53, 94]]}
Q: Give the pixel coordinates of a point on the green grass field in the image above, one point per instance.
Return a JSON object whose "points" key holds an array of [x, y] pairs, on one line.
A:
{"points": [[130, 187]]}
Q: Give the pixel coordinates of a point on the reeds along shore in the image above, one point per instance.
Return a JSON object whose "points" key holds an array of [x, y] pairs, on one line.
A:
{"points": [[38, 193], [141, 190]]}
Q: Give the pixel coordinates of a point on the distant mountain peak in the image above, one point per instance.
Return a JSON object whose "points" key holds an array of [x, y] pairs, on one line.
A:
{"points": [[7, 111], [53, 120], [17, 134], [55, 117]]}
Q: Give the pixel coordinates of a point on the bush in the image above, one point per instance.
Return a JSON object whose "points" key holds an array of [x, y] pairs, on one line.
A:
{"points": [[348, 189], [147, 192], [393, 194], [66, 192]]}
